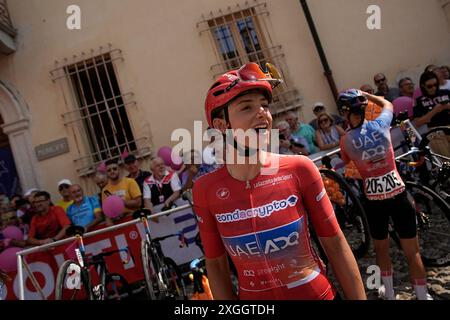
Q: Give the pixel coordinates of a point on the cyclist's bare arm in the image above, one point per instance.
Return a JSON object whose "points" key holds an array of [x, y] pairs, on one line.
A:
{"points": [[219, 278], [386, 105], [344, 266]]}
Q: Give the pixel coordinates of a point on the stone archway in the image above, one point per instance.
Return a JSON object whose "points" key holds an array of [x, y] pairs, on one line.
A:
{"points": [[16, 118]]}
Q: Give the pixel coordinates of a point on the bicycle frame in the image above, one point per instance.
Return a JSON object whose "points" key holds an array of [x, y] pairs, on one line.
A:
{"points": [[98, 262], [156, 254]]}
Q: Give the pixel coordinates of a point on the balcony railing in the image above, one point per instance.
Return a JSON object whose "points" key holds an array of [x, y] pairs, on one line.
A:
{"points": [[5, 20]]}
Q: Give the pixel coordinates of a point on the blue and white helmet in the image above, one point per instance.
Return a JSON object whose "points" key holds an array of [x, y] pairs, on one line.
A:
{"points": [[352, 100]]}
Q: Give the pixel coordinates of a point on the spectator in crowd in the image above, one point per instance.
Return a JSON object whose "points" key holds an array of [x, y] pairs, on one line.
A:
{"points": [[406, 86], [192, 161], [445, 72], [13, 200], [367, 88], [328, 134], [318, 108], [49, 224], [383, 89], [288, 143], [134, 172], [303, 130], [24, 211], [84, 211], [162, 187], [63, 188], [440, 73], [101, 180], [29, 194], [126, 188], [433, 106], [433, 109], [8, 218]]}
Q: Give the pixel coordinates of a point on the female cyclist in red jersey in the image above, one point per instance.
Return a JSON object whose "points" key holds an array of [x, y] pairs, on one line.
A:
{"points": [[258, 213], [368, 145]]}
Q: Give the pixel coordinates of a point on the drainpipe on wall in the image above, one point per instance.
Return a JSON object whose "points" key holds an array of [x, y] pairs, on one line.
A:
{"points": [[327, 71]]}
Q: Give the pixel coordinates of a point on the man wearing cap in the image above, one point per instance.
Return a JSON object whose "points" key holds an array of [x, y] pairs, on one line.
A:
{"points": [[134, 172], [63, 188], [320, 107]]}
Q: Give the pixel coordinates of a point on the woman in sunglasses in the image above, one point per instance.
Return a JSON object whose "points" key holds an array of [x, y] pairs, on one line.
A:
{"points": [[433, 107], [368, 145], [328, 134], [258, 212]]}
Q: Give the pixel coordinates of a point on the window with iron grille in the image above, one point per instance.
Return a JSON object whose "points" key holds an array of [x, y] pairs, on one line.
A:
{"points": [[101, 105], [241, 35], [98, 113]]}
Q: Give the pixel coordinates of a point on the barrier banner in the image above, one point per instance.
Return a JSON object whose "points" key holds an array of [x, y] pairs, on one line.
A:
{"points": [[44, 265]]}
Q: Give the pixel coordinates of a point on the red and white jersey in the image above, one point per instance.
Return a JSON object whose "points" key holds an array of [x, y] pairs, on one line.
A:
{"points": [[263, 225]]}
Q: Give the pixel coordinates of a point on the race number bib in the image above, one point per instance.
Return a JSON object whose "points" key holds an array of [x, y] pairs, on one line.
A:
{"points": [[384, 187]]}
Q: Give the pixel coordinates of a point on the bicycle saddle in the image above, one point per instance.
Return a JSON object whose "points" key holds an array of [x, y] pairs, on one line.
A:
{"points": [[141, 213], [75, 230]]}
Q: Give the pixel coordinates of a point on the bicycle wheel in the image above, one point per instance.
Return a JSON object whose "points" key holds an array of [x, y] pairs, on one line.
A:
{"points": [[438, 138], [116, 287], [73, 282], [433, 224], [173, 279], [349, 212], [149, 272]]}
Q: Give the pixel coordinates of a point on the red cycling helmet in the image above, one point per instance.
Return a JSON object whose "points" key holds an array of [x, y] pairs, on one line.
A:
{"points": [[231, 84]]}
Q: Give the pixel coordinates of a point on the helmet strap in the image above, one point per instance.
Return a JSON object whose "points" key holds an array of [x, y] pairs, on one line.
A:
{"points": [[243, 151]]}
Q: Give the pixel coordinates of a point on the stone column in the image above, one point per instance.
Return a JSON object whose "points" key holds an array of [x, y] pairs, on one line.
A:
{"points": [[24, 157]]}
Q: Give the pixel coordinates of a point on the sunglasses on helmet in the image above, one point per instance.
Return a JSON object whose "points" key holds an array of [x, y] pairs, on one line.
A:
{"points": [[253, 72]]}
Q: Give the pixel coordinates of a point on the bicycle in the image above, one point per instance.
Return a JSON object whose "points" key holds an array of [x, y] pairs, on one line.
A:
{"points": [[349, 212], [432, 215], [440, 165], [162, 276], [187, 196], [74, 281]]}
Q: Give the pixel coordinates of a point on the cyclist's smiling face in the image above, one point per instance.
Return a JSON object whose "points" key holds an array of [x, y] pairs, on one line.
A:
{"points": [[251, 111]]}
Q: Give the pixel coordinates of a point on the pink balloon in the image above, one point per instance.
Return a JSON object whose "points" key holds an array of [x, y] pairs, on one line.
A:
{"points": [[113, 206], [165, 153], [8, 259], [13, 232], [403, 104]]}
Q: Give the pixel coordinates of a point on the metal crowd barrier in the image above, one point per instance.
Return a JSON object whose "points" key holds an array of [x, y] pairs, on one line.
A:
{"points": [[22, 263]]}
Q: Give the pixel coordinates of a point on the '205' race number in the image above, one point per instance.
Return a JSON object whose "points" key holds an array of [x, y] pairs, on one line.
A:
{"points": [[383, 185]]}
